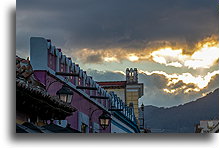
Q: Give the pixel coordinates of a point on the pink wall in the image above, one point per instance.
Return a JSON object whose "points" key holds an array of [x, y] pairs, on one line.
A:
{"points": [[52, 61], [80, 102]]}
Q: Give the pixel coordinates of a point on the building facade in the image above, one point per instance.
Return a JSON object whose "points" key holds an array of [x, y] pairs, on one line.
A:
{"points": [[54, 70], [123, 121], [207, 126], [35, 108], [129, 91], [134, 90]]}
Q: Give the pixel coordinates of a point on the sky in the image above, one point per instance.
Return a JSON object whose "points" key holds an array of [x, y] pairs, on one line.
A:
{"points": [[173, 43]]}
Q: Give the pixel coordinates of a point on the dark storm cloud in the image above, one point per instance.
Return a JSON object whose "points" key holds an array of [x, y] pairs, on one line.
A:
{"points": [[154, 81], [154, 94], [180, 84], [94, 59], [98, 24]]}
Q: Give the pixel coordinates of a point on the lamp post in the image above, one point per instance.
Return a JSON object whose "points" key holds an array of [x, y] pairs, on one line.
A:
{"points": [[65, 94], [104, 120]]}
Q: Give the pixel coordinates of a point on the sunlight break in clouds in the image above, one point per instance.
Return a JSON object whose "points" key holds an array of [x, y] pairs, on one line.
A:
{"points": [[110, 59], [132, 57], [169, 57], [204, 55], [120, 72], [110, 55], [191, 83]]}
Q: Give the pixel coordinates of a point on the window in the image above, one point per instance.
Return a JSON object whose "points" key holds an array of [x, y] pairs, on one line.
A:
{"points": [[79, 81], [84, 128], [62, 68], [50, 60]]}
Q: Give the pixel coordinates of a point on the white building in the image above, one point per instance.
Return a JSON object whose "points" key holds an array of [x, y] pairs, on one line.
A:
{"points": [[208, 126], [123, 121]]}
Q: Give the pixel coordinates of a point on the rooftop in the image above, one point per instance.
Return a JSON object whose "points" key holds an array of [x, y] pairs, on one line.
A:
{"points": [[108, 84]]}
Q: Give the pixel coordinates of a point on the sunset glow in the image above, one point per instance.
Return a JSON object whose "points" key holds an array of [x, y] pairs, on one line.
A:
{"points": [[169, 57], [110, 59], [133, 57], [146, 66], [205, 55], [197, 82]]}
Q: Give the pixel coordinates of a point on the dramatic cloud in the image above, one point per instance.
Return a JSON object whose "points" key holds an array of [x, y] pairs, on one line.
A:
{"points": [[97, 24], [205, 55], [198, 82], [176, 36], [162, 89], [154, 93], [110, 55]]}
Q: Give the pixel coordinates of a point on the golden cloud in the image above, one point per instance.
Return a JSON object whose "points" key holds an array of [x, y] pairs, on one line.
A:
{"points": [[185, 82], [112, 55], [204, 55]]}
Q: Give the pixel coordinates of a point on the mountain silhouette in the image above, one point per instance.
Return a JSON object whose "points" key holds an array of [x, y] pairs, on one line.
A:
{"points": [[182, 118]]}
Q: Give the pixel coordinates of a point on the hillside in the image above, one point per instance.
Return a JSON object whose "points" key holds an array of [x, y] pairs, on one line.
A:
{"points": [[182, 118]]}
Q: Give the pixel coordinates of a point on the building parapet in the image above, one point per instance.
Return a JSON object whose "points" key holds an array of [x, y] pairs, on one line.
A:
{"points": [[31, 95], [117, 103], [48, 59], [45, 56]]}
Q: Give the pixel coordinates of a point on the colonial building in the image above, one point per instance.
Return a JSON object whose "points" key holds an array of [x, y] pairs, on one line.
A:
{"points": [[141, 118], [207, 126], [92, 103], [34, 106], [129, 91], [123, 117], [49, 63]]}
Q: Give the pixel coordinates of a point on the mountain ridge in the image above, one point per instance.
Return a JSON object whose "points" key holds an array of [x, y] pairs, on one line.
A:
{"points": [[182, 118]]}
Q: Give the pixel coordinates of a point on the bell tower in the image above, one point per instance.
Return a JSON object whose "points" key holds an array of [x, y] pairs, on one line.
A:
{"points": [[129, 90], [131, 76], [134, 90]]}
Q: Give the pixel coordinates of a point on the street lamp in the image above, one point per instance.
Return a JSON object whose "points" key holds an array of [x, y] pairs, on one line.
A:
{"points": [[65, 94], [104, 120]]}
